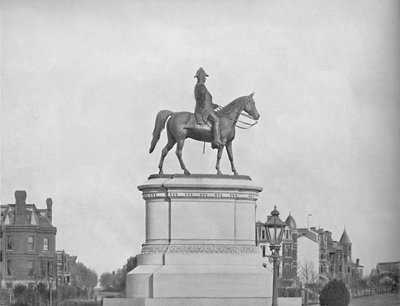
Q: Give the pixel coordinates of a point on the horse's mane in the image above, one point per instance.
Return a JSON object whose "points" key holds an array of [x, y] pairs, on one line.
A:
{"points": [[227, 109]]}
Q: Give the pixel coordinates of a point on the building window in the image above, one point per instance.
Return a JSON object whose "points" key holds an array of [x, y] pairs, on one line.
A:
{"points": [[50, 268], [45, 244], [28, 217], [30, 243], [30, 268], [287, 250], [9, 243], [348, 270], [43, 271], [11, 216], [9, 267], [262, 234], [1, 256], [340, 268]]}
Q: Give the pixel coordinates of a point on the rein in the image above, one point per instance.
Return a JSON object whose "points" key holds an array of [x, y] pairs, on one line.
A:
{"points": [[247, 125]]}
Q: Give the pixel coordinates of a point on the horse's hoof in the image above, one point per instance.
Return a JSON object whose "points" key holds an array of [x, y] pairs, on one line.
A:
{"points": [[160, 172], [219, 172], [186, 172], [235, 173]]}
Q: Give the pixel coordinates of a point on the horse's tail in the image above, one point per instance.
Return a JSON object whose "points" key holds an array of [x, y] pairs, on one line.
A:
{"points": [[159, 125]]}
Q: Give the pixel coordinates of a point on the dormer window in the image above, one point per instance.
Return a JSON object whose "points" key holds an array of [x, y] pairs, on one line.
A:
{"points": [[11, 217], [28, 217]]}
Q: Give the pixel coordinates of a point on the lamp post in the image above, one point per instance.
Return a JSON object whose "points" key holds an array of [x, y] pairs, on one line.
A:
{"points": [[51, 279], [275, 227]]}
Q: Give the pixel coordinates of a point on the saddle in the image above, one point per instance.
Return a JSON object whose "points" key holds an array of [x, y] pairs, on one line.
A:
{"points": [[197, 122]]}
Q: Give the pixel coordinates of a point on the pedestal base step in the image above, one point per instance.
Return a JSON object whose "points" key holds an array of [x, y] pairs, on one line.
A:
{"points": [[199, 281], [201, 302]]}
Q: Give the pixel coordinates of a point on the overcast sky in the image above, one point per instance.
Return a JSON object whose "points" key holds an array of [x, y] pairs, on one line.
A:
{"points": [[82, 81]]}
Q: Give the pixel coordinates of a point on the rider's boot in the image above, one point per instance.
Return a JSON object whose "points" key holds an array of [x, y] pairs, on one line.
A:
{"points": [[217, 137]]}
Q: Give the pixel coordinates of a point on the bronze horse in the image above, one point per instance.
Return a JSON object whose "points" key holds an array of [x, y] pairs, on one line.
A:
{"points": [[183, 125]]}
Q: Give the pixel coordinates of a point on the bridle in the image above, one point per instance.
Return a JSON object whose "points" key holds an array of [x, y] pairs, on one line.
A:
{"points": [[247, 125]]}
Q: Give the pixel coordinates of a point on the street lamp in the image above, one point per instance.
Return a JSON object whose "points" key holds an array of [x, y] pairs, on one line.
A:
{"points": [[275, 227], [51, 279]]}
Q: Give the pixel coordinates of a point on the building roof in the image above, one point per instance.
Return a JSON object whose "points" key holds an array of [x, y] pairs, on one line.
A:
{"points": [[345, 238], [290, 221], [22, 213], [305, 232], [336, 246], [44, 222]]}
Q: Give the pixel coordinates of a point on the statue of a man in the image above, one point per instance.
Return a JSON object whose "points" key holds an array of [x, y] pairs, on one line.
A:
{"points": [[204, 109]]}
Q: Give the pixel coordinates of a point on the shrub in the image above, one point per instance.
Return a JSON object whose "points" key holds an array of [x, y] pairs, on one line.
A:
{"points": [[19, 294], [335, 293]]}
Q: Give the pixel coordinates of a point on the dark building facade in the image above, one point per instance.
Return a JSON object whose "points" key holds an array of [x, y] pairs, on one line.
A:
{"points": [[27, 243], [66, 268]]}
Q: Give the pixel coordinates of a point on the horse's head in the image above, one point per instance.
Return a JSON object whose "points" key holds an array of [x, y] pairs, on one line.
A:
{"points": [[250, 108]]}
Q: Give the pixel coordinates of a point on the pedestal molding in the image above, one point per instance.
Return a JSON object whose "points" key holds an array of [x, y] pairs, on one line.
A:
{"points": [[198, 248]]}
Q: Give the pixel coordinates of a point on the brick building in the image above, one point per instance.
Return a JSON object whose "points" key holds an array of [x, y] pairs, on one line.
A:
{"points": [[66, 268], [312, 248], [27, 243]]}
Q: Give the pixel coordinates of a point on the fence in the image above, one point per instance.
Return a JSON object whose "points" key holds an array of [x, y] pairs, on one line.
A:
{"points": [[80, 303], [371, 290]]}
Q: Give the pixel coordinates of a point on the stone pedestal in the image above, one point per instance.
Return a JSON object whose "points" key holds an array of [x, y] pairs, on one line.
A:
{"points": [[200, 244]]}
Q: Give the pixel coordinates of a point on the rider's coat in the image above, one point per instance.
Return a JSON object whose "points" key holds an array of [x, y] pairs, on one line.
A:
{"points": [[204, 105]]}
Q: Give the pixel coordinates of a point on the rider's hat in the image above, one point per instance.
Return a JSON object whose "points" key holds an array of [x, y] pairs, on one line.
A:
{"points": [[200, 71]]}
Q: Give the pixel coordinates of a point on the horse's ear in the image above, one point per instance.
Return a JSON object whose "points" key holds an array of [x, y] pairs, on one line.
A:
{"points": [[251, 96]]}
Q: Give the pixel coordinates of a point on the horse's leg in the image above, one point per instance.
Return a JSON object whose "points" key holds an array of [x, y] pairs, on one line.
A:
{"points": [[167, 148], [230, 155], [179, 147], [219, 154]]}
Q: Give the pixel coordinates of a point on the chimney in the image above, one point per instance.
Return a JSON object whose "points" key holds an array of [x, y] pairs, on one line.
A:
{"points": [[49, 204], [20, 196], [20, 202]]}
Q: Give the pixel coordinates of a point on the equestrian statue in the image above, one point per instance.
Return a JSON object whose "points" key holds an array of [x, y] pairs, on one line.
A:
{"points": [[209, 123]]}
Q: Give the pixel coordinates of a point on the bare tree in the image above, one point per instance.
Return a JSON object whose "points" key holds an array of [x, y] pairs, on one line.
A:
{"points": [[306, 276]]}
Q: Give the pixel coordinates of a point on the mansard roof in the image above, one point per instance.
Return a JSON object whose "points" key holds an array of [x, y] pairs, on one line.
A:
{"points": [[44, 221], [37, 217]]}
